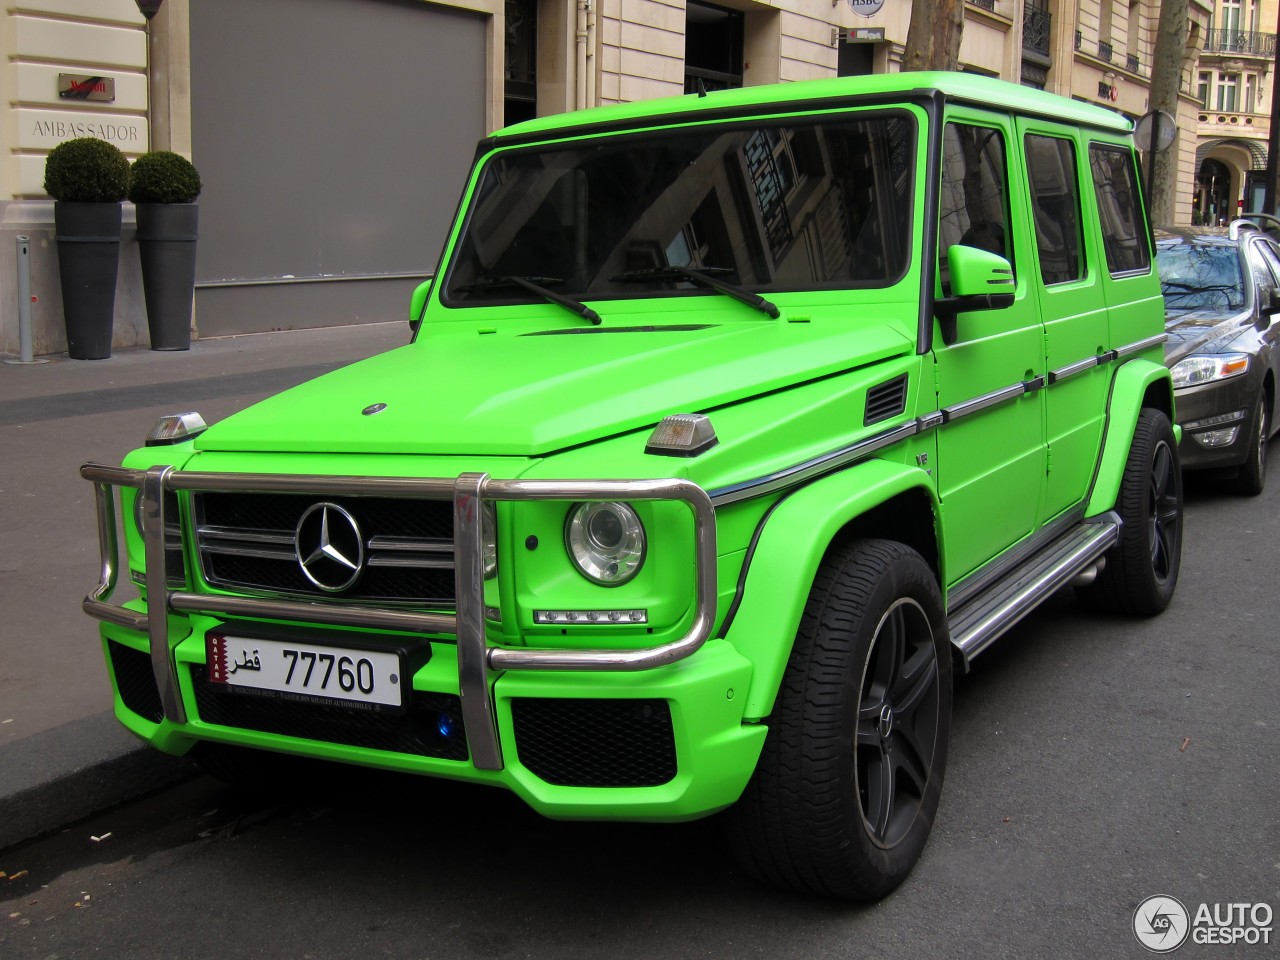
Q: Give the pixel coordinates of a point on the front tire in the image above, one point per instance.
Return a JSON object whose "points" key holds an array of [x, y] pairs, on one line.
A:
{"points": [[1252, 478], [847, 787], [1141, 571]]}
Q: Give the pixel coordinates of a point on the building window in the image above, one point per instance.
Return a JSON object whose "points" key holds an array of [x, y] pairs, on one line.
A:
{"points": [[1250, 94], [1228, 92], [1135, 35], [520, 61], [713, 43], [1202, 88]]}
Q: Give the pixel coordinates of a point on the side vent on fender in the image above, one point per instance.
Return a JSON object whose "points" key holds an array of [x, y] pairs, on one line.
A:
{"points": [[886, 400]]}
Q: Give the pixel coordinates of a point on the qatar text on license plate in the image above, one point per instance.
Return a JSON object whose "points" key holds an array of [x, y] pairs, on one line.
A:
{"points": [[306, 669]]}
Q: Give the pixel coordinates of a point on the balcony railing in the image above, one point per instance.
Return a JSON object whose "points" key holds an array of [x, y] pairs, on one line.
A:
{"points": [[1245, 42], [988, 5], [1104, 51], [1035, 30], [1131, 63]]}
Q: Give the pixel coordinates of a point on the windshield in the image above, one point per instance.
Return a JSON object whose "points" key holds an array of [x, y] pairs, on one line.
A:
{"points": [[819, 204], [1200, 276]]}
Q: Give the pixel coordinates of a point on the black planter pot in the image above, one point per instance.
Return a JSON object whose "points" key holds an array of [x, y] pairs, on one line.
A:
{"points": [[88, 237], [167, 246]]}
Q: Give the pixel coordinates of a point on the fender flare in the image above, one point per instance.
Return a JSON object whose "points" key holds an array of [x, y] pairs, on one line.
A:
{"points": [[1131, 389], [791, 545]]}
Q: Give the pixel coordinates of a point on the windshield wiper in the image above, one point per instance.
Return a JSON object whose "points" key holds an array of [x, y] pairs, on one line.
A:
{"points": [[535, 286], [706, 277]]}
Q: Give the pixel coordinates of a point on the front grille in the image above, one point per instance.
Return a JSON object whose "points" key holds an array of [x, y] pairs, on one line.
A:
{"points": [[136, 681], [247, 541], [417, 731], [596, 743]]}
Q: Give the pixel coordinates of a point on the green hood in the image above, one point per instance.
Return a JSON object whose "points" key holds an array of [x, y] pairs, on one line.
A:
{"points": [[499, 392]]}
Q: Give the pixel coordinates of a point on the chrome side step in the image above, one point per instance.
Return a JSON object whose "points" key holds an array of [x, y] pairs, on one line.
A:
{"points": [[982, 619]]}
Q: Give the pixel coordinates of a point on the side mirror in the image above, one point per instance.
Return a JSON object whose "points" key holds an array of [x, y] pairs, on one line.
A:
{"points": [[418, 303], [980, 280]]}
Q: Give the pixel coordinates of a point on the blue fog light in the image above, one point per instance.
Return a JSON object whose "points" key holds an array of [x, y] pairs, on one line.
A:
{"points": [[446, 726]]}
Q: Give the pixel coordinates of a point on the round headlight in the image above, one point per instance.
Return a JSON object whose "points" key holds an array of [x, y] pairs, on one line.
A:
{"points": [[606, 542]]}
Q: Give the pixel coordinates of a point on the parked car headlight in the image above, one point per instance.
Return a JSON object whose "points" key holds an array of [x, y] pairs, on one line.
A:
{"points": [[606, 542], [1194, 371]]}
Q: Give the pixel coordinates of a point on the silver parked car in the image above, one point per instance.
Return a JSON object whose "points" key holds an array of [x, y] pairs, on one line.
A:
{"points": [[1222, 297]]}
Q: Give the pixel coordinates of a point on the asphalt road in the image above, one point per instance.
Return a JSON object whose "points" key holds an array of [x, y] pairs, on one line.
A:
{"points": [[1095, 762]]}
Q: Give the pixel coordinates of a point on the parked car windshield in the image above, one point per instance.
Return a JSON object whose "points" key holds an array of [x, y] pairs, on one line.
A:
{"points": [[1198, 275], [767, 206]]}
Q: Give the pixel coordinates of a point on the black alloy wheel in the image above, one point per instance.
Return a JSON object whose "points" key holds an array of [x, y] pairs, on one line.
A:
{"points": [[897, 722], [1141, 570]]}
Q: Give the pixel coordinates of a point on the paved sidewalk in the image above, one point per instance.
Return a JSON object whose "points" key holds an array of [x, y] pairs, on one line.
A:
{"points": [[62, 753]]}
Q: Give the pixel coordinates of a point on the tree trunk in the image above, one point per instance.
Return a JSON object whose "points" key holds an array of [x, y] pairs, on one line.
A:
{"points": [[933, 38], [1166, 75]]}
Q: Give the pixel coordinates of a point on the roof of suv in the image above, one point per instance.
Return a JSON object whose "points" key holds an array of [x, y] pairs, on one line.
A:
{"points": [[813, 94]]}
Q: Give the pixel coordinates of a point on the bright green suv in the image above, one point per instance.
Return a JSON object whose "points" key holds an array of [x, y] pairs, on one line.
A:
{"points": [[731, 426]]}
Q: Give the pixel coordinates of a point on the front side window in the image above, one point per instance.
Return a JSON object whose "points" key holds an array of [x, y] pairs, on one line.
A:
{"points": [[770, 206], [1124, 233], [1055, 203], [973, 204]]}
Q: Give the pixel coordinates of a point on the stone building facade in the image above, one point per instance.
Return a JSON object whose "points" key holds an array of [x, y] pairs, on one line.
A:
{"points": [[333, 135]]}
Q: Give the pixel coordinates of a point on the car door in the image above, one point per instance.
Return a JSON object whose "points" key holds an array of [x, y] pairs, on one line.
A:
{"points": [[991, 451], [1067, 289]]}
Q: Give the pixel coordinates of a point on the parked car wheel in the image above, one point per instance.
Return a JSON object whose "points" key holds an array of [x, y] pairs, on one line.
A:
{"points": [[1141, 570], [1252, 477], [848, 784]]}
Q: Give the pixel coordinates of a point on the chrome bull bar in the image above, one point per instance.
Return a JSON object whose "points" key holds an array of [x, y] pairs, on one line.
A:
{"points": [[477, 660]]}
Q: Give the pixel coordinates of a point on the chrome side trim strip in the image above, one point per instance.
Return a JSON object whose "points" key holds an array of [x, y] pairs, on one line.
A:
{"points": [[1071, 369], [1140, 345], [818, 465], [847, 456], [967, 407]]}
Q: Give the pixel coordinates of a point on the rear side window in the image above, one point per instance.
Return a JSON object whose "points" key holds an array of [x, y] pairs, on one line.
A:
{"points": [[1055, 204], [1124, 234]]}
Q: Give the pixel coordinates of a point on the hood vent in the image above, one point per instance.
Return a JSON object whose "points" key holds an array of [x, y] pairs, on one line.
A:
{"points": [[886, 401]]}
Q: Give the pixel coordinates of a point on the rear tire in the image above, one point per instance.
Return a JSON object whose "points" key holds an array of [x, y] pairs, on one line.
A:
{"points": [[847, 787], [1141, 571]]}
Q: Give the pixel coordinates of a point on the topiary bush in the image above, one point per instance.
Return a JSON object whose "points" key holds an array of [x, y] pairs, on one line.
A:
{"points": [[86, 170], [163, 177]]}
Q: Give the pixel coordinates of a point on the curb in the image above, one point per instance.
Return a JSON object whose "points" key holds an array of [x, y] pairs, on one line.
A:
{"points": [[99, 765]]}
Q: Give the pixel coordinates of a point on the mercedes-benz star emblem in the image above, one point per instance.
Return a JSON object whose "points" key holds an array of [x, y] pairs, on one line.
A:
{"points": [[329, 547]]}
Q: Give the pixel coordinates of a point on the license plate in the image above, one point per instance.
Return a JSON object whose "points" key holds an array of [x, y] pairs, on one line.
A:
{"points": [[306, 671]]}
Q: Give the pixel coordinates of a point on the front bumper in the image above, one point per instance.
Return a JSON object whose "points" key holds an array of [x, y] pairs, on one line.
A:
{"points": [[1216, 411], [495, 690]]}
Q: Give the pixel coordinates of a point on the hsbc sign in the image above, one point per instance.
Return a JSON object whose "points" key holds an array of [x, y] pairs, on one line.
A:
{"points": [[866, 8]]}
